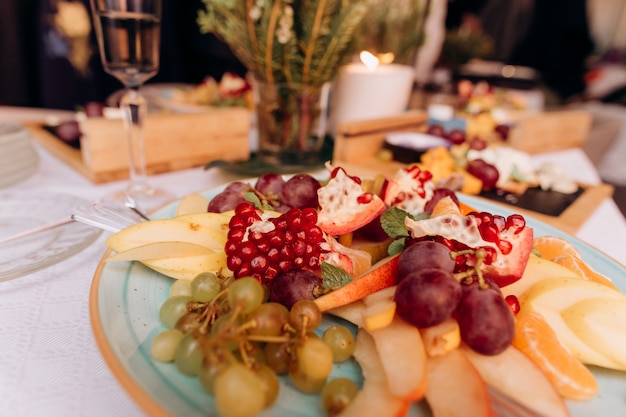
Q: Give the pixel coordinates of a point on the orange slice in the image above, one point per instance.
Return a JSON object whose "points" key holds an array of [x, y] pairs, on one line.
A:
{"points": [[581, 268], [549, 247], [536, 339], [445, 206]]}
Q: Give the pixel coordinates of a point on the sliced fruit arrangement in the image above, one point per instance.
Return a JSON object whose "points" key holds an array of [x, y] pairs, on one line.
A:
{"points": [[444, 298]]}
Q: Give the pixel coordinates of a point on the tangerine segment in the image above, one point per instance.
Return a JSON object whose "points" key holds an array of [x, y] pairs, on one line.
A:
{"points": [[537, 340], [445, 206], [581, 268], [551, 246]]}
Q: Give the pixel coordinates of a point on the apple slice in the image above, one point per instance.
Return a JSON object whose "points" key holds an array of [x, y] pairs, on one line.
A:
{"points": [[599, 322], [160, 250], [454, 373], [381, 275], [537, 269], [375, 398], [516, 376], [191, 204], [403, 357], [380, 309]]}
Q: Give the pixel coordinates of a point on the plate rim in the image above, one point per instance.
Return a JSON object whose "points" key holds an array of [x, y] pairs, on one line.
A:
{"points": [[147, 402]]}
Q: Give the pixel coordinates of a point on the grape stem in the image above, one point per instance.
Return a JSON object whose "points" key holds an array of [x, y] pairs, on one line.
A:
{"points": [[479, 254]]}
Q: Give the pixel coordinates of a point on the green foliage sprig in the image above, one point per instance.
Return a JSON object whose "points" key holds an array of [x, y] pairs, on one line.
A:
{"points": [[286, 41]]}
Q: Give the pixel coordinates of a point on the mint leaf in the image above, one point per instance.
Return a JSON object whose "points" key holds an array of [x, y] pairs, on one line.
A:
{"points": [[254, 199], [397, 246], [392, 221], [334, 277]]}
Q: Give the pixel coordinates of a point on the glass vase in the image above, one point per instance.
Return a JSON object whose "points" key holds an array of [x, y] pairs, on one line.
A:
{"points": [[291, 122]]}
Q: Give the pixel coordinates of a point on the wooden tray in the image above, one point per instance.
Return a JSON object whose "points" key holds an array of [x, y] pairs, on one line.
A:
{"points": [[173, 142], [358, 143]]}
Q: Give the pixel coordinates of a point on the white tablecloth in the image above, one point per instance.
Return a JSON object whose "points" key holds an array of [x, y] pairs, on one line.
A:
{"points": [[49, 362]]}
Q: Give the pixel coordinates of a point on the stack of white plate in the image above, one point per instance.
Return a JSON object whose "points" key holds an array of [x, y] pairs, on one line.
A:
{"points": [[18, 158]]}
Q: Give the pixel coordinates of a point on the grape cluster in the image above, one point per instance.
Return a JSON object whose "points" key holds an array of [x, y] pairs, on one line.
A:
{"points": [[299, 191], [265, 248], [430, 292], [226, 333]]}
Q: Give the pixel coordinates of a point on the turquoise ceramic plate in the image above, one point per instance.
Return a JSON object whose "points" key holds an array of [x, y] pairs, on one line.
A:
{"points": [[124, 304]]}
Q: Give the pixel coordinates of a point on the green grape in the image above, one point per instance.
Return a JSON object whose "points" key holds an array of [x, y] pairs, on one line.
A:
{"points": [[173, 309], [305, 308], [180, 287], [277, 357], [238, 392], [313, 365], [164, 344], [207, 373], [269, 383], [205, 286], [226, 329], [189, 322], [188, 357], [269, 319], [341, 342], [246, 294], [337, 394]]}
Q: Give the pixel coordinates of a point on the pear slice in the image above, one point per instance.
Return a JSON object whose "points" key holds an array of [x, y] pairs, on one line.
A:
{"points": [[599, 322], [515, 375], [380, 309], [537, 269], [403, 357], [189, 266], [160, 250], [375, 397], [454, 373], [171, 230], [191, 204], [551, 296]]}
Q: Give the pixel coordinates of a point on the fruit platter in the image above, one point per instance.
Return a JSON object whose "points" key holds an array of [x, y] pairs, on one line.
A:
{"points": [[342, 295]]}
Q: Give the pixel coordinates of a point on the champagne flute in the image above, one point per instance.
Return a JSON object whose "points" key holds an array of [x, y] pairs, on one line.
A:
{"points": [[128, 33]]}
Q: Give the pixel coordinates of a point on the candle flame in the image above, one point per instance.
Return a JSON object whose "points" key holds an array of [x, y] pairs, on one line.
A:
{"points": [[369, 60]]}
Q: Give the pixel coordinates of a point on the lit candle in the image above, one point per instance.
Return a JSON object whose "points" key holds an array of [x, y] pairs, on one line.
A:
{"points": [[370, 90]]}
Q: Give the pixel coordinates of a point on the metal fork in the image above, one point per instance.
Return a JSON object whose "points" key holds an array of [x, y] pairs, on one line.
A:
{"points": [[112, 218]]}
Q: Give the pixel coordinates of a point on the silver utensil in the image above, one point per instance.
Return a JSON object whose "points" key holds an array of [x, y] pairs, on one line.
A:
{"points": [[104, 216]]}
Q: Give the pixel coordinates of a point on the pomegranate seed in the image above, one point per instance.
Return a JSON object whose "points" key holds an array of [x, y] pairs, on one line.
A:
{"points": [[299, 247], [515, 222], [298, 262], [236, 234], [273, 255], [489, 232], [234, 263], [500, 222], [258, 263], [513, 303], [505, 247], [247, 250], [365, 198], [285, 266]]}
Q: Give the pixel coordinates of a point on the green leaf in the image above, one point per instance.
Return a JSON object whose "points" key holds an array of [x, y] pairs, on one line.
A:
{"points": [[254, 199], [397, 246], [392, 222], [334, 277]]}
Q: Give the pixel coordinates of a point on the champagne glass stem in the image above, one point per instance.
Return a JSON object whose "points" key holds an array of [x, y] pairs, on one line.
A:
{"points": [[134, 109]]}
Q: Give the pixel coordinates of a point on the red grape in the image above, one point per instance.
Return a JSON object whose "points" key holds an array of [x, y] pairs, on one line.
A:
{"points": [[456, 136], [289, 287], [270, 183], [427, 297], [485, 172], [485, 320], [436, 130], [425, 254], [300, 191]]}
